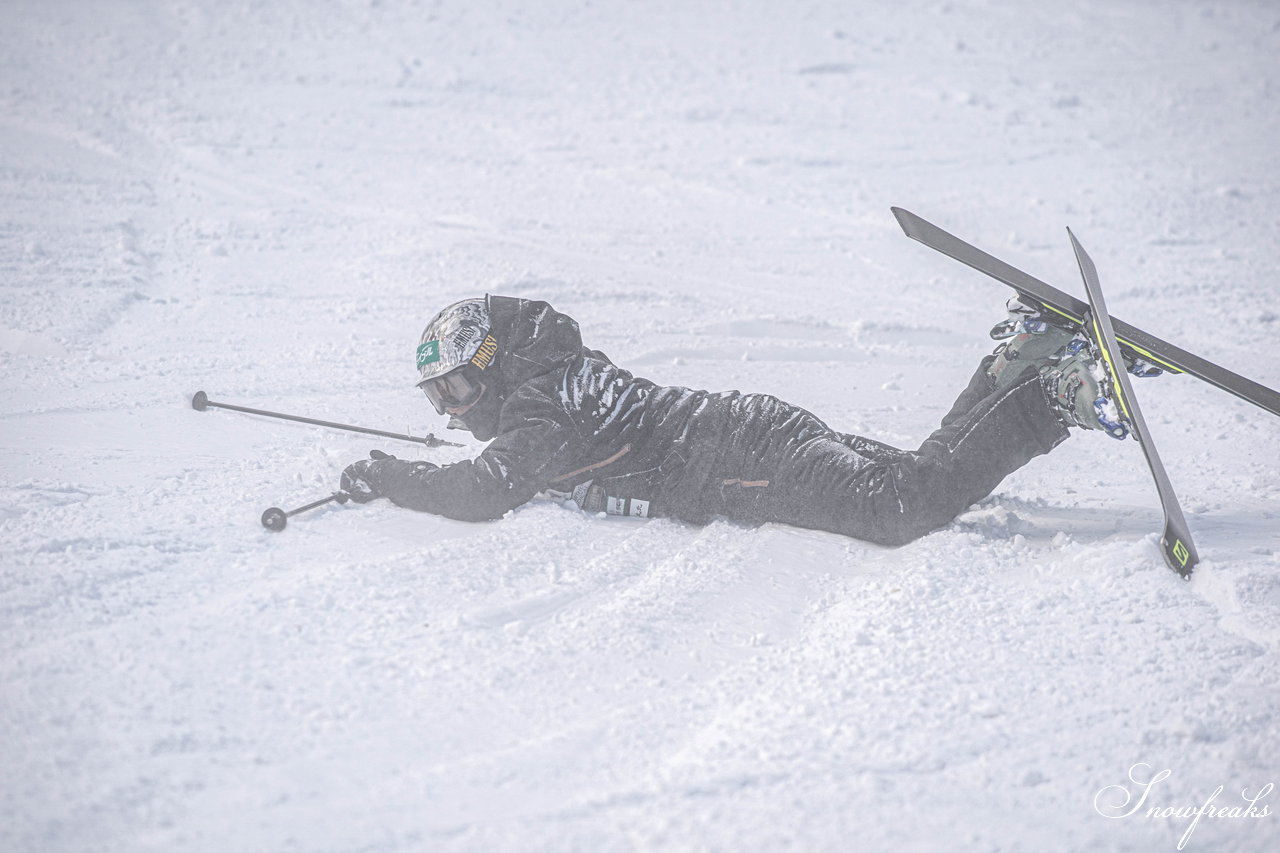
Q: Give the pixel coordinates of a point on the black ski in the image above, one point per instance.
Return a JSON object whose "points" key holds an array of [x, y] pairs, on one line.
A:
{"points": [[1175, 543], [1071, 312]]}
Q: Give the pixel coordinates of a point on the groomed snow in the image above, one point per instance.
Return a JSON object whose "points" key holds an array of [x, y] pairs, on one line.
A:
{"points": [[267, 201]]}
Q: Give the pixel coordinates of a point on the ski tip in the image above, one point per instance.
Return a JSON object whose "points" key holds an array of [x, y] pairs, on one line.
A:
{"points": [[1087, 267], [907, 221], [200, 401]]}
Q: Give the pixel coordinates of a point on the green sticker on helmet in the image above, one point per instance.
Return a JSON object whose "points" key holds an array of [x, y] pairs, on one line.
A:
{"points": [[428, 353]]}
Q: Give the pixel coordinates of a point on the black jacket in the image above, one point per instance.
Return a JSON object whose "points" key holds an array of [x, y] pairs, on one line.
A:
{"points": [[568, 415]]}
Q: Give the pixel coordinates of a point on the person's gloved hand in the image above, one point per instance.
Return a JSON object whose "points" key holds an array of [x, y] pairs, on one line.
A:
{"points": [[361, 480], [365, 480]]}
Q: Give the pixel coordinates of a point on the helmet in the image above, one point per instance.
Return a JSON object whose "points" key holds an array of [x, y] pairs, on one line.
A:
{"points": [[453, 353]]}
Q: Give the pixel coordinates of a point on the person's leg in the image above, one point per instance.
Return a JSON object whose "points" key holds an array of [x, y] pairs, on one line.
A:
{"points": [[980, 385], [823, 483]]}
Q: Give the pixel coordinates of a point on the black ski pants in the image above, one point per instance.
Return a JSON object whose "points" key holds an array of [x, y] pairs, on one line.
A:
{"points": [[781, 463]]}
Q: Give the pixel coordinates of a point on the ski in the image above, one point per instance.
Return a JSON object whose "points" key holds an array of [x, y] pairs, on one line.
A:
{"points": [[1175, 542], [1134, 343]]}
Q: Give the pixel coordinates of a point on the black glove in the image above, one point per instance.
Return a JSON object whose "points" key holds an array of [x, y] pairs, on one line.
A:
{"points": [[366, 480], [361, 480]]}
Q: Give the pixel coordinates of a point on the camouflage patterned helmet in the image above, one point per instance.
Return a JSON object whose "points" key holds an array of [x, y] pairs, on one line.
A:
{"points": [[457, 336]]}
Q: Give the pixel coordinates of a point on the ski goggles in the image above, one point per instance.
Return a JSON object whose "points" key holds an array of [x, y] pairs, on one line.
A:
{"points": [[454, 390]]}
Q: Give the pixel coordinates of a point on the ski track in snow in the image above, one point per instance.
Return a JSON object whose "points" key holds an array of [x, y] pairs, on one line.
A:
{"points": [[268, 202]]}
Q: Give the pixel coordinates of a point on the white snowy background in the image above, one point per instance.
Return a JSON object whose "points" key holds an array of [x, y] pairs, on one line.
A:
{"points": [[268, 200]]}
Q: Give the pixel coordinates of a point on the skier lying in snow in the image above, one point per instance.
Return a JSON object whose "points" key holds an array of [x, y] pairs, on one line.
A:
{"points": [[566, 420]]}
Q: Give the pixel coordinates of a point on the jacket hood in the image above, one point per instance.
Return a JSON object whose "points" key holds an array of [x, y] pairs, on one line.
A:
{"points": [[533, 338]]}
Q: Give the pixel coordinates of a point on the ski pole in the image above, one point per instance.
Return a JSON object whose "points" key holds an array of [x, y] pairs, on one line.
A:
{"points": [[274, 518], [201, 401]]}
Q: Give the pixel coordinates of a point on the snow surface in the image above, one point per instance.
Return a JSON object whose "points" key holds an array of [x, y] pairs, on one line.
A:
{"points": [[267, 201]]}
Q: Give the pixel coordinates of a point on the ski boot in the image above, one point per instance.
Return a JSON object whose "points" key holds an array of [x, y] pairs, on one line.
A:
{"points": [[1080, 391], [1028, 340], [1036, 339], [1075, 385]]}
